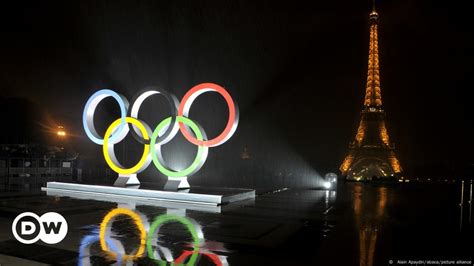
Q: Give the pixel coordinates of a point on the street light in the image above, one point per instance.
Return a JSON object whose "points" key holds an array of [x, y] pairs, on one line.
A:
{"points": [[61, 132]]}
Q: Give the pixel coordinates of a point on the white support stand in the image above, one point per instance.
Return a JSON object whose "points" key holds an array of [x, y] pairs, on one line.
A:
{"points": [[178, 212], [176, 183], [126, 180], [128, 205], [146, 196]]}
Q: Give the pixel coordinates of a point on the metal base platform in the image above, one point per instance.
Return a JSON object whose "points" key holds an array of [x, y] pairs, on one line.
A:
{"points": [[195, 195]]}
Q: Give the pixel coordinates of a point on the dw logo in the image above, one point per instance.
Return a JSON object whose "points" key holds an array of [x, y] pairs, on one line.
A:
{"points": [[51, 228]]}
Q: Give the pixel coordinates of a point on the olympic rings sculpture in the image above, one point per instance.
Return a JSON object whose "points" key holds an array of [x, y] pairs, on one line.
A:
{"points": [[148, 240], [164, 132]]}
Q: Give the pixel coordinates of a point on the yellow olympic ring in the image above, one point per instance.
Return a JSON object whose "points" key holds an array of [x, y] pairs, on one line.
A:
{"points": [[146, 150], [138, 222]]}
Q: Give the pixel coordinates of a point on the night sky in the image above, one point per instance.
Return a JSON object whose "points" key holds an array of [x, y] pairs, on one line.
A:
{"points": [[296, 69]]}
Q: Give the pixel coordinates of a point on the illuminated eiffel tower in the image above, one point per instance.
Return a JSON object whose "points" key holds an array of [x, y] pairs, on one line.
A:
{"points": [[372, 155]]}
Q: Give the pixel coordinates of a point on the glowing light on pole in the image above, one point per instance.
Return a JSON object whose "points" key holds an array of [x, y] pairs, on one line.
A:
{"points": [[61, 132]]}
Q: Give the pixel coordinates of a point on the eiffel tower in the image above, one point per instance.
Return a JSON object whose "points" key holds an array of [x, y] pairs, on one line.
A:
{"points": [[371, 155]]}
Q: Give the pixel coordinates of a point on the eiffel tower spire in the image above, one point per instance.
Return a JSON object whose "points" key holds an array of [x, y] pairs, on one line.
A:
{"points": [[373, 95], [371, 154]]}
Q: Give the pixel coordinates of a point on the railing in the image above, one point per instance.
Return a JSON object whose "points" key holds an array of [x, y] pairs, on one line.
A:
{"points": [[27, 171], [35, 167]]}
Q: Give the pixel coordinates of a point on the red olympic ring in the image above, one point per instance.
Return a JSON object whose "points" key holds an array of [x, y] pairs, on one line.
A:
{"points": [[186, 253], [232, 122]]}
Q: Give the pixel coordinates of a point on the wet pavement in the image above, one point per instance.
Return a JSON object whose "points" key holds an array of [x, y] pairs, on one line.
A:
{"points": [[359, 224], [379, 224]]}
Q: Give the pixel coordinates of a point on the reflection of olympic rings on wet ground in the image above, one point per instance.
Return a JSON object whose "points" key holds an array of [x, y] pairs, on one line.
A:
{"points": [[164, 132], [148, 238], [87, 241]]}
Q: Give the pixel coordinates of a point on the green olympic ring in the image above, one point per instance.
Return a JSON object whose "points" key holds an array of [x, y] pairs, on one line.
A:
{"points": [[158, 160], [166, 218]]}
